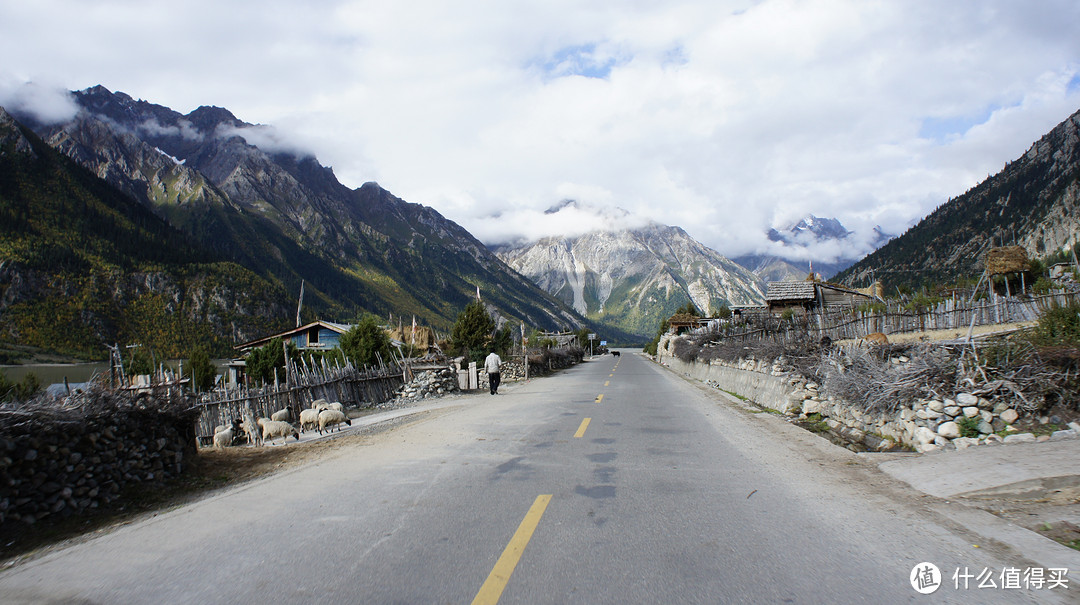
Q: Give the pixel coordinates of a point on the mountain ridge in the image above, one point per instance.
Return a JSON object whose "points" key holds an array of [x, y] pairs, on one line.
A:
{"points": [[633, 279], [1033, 202], [281, 214]]}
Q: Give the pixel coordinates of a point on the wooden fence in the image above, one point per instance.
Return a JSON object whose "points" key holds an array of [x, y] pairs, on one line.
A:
{"points": [[950, 314], [352, 387]]}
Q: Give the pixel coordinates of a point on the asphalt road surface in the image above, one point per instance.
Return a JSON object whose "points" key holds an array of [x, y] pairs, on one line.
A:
{"points": [[612, 482]]}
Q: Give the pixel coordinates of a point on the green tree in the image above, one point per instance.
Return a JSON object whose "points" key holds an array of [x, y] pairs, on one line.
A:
{"points": [[366, 342], [688, 309], [262, 361], [503, 340], [202, 370], [138, 362], [723, 312], [472, 332]]}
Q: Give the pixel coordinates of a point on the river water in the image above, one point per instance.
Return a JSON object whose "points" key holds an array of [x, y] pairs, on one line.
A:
{"points": [[50, 373], [55, 373]]}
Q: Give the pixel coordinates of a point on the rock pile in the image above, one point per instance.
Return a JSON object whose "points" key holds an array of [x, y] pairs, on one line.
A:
{"points": [[62, 463], [430, 383], [924, 424]]}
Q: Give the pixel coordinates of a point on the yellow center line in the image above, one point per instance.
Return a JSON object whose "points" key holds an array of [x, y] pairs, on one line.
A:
{"points": [[607, 383], [500, 574], [581, 429], [599, 398], [611, 374]]}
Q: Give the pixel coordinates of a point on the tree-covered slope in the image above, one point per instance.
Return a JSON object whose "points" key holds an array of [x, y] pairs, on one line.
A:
{"points": [[281, 214], [83, 265]]}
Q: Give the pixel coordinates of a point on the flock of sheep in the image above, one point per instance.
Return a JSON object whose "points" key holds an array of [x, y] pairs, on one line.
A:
{"points": [[321, 416]]}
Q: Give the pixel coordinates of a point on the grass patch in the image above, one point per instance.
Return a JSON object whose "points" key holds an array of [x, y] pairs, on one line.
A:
{"points": [[969, 427], [815, 423], [1062, 532], [735, 395]]}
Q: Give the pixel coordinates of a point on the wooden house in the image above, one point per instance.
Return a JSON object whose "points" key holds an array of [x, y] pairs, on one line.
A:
{"points": [[315, 336], [681, 323], [810, 296]]}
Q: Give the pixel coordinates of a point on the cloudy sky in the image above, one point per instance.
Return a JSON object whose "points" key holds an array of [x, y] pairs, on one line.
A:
{"points": [[724, 117]]}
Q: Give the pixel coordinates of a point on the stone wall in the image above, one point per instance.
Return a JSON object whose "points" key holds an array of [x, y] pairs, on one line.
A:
{"points": [[71, 461], [923, 425]]}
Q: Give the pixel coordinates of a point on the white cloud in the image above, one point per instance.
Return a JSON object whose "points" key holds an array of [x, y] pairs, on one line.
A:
{"points": [[723, 117], [266, 138], [183, 128], [49, 104]]}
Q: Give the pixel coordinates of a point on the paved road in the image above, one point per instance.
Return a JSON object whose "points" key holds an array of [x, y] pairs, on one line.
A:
{"points": [[668, 493]]}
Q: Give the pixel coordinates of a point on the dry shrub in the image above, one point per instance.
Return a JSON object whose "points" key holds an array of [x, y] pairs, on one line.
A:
{"points": [[868, 378]]}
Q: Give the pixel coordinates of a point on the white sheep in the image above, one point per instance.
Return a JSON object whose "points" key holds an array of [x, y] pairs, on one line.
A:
{"points": [[308, 419], [281, 415], [277, 428], [332, 418], [223, 439], [251, 429], [335, 406], [319, 405]]}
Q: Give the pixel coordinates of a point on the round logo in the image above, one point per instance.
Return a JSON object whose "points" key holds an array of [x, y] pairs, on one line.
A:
{"points": [[925, 578]]}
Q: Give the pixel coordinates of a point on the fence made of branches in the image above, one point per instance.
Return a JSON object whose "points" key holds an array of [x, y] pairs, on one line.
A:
{"points": [[353, 387], [894, 317]]}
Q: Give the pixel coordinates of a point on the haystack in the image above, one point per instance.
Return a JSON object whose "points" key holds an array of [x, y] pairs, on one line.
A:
{"points": [[1006, 259]]}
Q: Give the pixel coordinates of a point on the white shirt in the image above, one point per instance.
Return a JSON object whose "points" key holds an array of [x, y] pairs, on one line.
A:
{"points": [[492, 363]]}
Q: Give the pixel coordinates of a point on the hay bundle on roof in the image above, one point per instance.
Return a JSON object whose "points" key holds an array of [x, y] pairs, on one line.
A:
{"points": [[1006, 259]]}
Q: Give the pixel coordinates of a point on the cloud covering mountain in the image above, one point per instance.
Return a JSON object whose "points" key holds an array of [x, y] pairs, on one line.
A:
{"points": [[728, 117]]}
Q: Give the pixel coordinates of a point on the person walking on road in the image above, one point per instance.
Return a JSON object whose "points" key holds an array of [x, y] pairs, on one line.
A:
{"points": [[492, 364]]}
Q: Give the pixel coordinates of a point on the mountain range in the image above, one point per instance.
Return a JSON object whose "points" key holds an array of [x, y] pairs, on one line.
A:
{"points": [[1034, 202], [796, 243], [278, 214], [633, 279], [130, 222]]}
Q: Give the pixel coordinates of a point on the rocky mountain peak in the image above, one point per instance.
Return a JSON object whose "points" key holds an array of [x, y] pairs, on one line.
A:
{"points": [[208, 118], [632, 279], [1034, 202], [11, 136], [811, 226]]}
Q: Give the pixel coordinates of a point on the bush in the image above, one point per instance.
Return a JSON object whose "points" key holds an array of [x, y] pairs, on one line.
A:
{"points": [[24, 390], [1059, 326], [1042, 286], [969, 427], [366, 343]]}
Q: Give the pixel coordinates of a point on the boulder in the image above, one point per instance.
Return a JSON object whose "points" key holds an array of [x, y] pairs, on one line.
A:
{"points": [[936, 405], [924, 435], [949, 430], [1020, 438], [967, 399], [971, 411], [1066, 434], [1009, 416]]}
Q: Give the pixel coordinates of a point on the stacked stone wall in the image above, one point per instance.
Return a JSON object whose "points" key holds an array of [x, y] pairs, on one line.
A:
{"points": [[61, 462], [923, 424]]}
